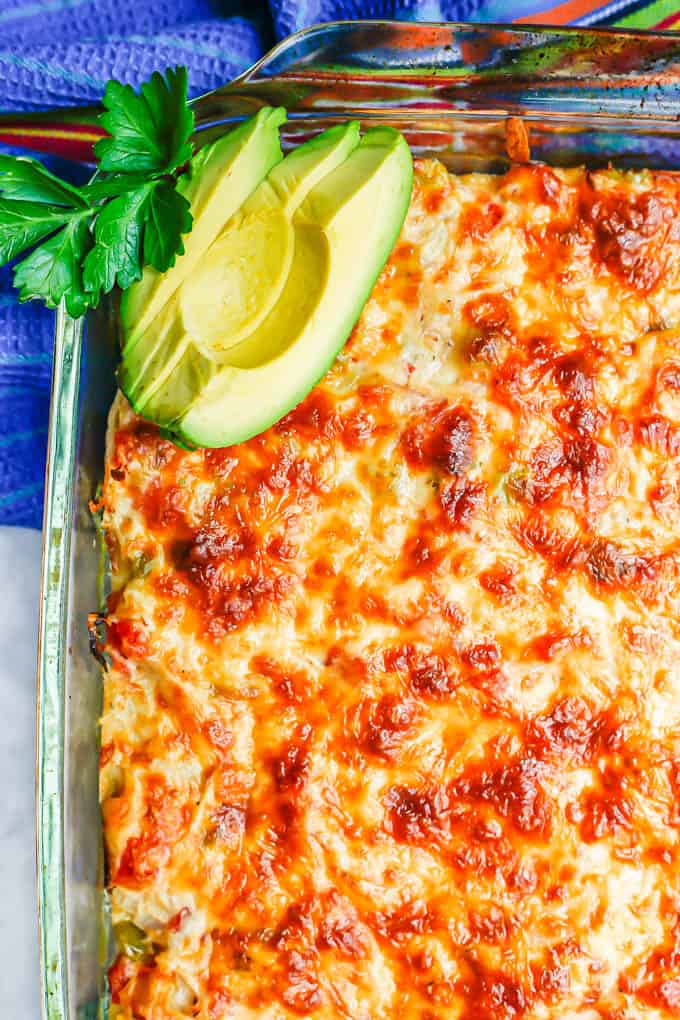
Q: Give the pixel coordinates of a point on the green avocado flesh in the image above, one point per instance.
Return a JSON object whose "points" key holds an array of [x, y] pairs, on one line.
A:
{"points": [[233, 284], [219, 179], [272, 299]]}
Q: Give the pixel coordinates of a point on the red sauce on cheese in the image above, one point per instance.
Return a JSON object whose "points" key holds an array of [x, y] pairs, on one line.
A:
{"points": [[476, 223], [442, 440], [385, 725], [416, 815], [514, 790], [631, 233], [163, 825], [499, 581]]}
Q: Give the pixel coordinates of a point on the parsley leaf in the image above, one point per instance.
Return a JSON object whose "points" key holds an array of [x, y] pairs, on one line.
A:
{"points": [[91, 238], [53, 271], [23, 224], [29, 180], [115, 257], [140, 227], [168, 216], [150, 131], [111, 186]]}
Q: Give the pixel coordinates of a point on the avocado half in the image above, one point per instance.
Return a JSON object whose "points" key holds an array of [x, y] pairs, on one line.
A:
{"points": [[272, 299]]}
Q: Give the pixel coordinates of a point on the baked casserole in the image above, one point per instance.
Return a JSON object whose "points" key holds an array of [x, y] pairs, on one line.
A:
{"points": [[392, 708]]}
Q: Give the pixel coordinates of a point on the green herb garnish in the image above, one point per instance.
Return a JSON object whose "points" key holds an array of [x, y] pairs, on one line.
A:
{"points": [[85, 240]]}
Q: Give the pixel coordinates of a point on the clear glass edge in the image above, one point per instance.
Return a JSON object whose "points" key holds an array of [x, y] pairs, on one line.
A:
{"points": [[526, 29], [293, 57], [55, 575], [52, 646]]}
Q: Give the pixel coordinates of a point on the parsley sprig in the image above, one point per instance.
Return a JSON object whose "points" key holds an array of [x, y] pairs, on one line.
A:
{"points": [[86, 240]]}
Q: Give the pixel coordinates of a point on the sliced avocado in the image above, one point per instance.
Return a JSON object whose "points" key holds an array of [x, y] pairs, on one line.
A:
{"points": [[241, 277], [219, 179], [232, 287], [344, 231]]}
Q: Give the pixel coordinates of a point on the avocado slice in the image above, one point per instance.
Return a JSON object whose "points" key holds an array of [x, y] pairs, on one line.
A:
{"points": [[233, 285], [344, 231], [219, 179], [241, 277]]}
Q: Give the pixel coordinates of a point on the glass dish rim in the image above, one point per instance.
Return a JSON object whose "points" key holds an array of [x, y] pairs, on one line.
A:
{"points": [[59, 509], [525, 28]]}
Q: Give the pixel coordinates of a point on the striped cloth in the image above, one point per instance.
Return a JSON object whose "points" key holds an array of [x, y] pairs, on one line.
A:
{"points": [[61, 52]]}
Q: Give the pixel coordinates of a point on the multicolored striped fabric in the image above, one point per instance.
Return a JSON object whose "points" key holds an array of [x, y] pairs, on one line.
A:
{"points": [[61, 52]]}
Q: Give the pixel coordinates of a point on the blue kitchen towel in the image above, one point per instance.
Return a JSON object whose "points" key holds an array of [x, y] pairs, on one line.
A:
{"points": [[61, 53]]}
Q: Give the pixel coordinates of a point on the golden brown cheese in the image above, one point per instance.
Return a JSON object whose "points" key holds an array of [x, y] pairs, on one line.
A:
{"points": [[392, 720]]}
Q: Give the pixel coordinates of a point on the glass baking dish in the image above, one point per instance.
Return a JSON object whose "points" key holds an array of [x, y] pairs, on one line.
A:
{"points": [[585, 97]]}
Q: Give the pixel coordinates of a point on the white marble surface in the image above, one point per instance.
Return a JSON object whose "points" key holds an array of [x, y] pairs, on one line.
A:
{"points": [[19, 569]]}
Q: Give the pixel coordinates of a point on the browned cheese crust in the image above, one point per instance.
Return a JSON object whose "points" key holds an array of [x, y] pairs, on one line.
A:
{"points": [[392, 722]]}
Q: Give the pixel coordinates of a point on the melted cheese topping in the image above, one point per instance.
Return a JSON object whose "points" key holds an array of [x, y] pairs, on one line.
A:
{"points": [[392, 718]]}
